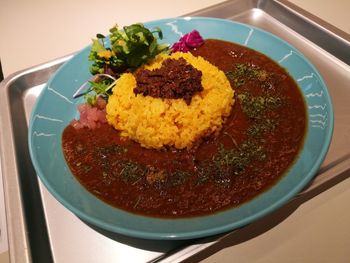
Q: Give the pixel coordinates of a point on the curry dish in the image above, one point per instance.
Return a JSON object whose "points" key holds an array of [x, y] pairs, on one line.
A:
{"points": [[257, 143]]}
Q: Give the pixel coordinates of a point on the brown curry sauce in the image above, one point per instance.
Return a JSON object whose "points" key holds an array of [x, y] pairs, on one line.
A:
{"points": [[256, 146]]}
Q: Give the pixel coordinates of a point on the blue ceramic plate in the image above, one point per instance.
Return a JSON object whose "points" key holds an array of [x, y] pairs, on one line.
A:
{"points": [[55, 108]]}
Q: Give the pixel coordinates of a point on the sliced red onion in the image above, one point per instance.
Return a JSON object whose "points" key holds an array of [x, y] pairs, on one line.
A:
{"points": [[189, 41]]}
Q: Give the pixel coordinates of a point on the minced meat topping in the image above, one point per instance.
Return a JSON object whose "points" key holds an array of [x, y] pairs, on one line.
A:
{"points": [[175, 79]]}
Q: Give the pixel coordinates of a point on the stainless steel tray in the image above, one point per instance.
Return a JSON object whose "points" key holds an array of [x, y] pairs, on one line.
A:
{"points": [[40, 229]]}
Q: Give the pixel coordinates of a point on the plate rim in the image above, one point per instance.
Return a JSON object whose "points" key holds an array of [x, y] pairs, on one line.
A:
{"points": [[199, 233]]}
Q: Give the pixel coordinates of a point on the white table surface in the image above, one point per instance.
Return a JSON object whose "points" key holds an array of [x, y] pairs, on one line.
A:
{"points": [[35, 31]]}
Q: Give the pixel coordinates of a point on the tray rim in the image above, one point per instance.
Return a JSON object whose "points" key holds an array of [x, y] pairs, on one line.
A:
{"points": [[315, 20]]}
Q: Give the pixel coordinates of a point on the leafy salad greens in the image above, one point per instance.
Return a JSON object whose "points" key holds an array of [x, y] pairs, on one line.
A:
{"points": [[124, 51]]}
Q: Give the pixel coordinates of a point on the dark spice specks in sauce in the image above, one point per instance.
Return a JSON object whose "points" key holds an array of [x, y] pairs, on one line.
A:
{"points": [[255, 147]]}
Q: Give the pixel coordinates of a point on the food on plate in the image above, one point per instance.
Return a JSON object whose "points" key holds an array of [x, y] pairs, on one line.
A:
{"points": [[124, 50], [187, 42], [186, 133], [156, 122]]}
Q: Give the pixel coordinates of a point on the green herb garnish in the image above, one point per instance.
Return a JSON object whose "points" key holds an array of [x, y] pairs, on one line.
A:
{"points": [[261, 127], [124, 50], [135, 45], [178, 177], [131, 171], [111, 149], [234, 161], [256, 106], [246, 72]]}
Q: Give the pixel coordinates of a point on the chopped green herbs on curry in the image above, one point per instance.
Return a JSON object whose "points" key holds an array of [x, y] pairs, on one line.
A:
{"points": [[243, 73], [256, 146]]}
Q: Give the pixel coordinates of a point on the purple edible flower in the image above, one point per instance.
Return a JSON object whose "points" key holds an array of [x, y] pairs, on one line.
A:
{"points": [[189, 41]]}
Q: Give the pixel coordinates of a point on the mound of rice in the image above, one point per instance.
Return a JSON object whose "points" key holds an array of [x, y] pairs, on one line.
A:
{"points": [[157, 122]]}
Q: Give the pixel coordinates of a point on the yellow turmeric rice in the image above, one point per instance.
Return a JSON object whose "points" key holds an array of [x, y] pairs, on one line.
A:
{"points": [[159, 122]]}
